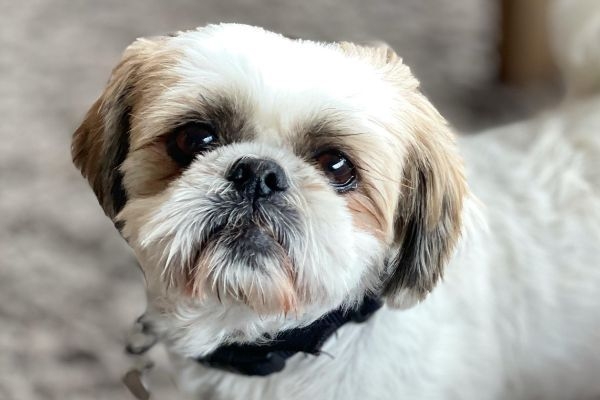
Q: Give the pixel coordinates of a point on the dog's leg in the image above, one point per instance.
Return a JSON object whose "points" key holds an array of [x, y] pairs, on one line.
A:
{"points": [[140, 339]]}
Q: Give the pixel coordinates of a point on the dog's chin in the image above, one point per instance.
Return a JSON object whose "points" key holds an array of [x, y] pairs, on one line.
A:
{"points": [[245, 264]]}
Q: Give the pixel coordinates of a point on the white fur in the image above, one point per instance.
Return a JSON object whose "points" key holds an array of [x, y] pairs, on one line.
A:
{"points": [[517, 315], [283, 84], [176, 226]]}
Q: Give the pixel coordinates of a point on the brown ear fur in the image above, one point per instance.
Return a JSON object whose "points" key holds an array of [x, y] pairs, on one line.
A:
{"points": [[99, 153], [428, 217], [101, 143]]}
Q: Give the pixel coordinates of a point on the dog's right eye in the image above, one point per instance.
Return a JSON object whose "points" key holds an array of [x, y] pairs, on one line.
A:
{"points": [[189, 140], [338, 168]]}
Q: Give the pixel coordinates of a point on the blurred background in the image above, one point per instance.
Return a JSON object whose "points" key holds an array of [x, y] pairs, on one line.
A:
{"points": [[69, 288]]}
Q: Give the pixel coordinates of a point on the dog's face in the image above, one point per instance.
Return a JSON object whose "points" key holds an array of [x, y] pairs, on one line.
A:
{"points": [[272, 176]]}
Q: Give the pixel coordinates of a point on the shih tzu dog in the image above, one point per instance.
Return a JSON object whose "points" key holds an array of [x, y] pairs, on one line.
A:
{"points": [[294, 206]]}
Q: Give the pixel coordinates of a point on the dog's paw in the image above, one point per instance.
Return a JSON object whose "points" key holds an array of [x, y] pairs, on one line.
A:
{"points": [[141, 338]]}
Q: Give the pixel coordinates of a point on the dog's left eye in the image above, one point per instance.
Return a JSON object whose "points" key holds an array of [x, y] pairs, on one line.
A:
{"points": [[338, 168], [189, 140]]}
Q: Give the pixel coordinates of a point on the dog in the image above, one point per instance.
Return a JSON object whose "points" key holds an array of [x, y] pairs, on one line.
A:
{"points": [[308, 229]]}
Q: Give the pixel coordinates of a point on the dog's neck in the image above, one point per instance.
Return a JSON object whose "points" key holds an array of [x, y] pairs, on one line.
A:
{"points": [[270, 356]]}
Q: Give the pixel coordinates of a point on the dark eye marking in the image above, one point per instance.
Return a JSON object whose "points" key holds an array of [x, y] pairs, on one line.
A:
{"points": [[338, 168], [189, 140]]}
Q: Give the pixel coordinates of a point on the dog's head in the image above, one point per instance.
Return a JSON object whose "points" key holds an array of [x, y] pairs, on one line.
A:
{"points": [[273, 176]]}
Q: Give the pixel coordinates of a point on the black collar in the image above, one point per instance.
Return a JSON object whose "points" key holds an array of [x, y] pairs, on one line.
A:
{"points": [[263, 359]]}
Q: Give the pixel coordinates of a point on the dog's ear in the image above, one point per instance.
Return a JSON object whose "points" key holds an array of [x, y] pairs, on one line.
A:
{"points": [[427, 222], [101, 143], [428, 216]]}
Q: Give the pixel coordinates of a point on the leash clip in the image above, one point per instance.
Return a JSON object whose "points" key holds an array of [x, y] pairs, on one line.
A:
{"points": [[134, 379]]}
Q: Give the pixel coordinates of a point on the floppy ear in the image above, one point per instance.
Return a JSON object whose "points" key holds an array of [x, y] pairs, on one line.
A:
{"points": [[101, 143], [428, 217], [427, 222]]}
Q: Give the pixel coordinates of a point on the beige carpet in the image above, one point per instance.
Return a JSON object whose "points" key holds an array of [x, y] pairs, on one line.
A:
{"points": [[68, 285]]}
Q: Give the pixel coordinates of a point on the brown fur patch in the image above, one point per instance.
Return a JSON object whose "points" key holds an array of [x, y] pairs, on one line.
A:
{"points": [[366, 216], [101, 144]]}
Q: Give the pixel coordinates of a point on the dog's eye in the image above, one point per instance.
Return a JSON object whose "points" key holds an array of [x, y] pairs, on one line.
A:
{"points": [[338, 168], [189, 140]]}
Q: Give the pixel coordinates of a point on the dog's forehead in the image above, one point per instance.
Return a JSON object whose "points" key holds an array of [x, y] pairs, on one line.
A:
{"points": [[279, 78]]}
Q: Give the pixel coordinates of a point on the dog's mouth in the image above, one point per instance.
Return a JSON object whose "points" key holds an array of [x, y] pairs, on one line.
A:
{"points": [[250, 240], [245, 241], [246, 255], [232, 223], [250, 230]]}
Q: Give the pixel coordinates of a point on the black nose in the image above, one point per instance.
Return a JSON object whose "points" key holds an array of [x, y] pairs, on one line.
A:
{"points": [[255, 177]]}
